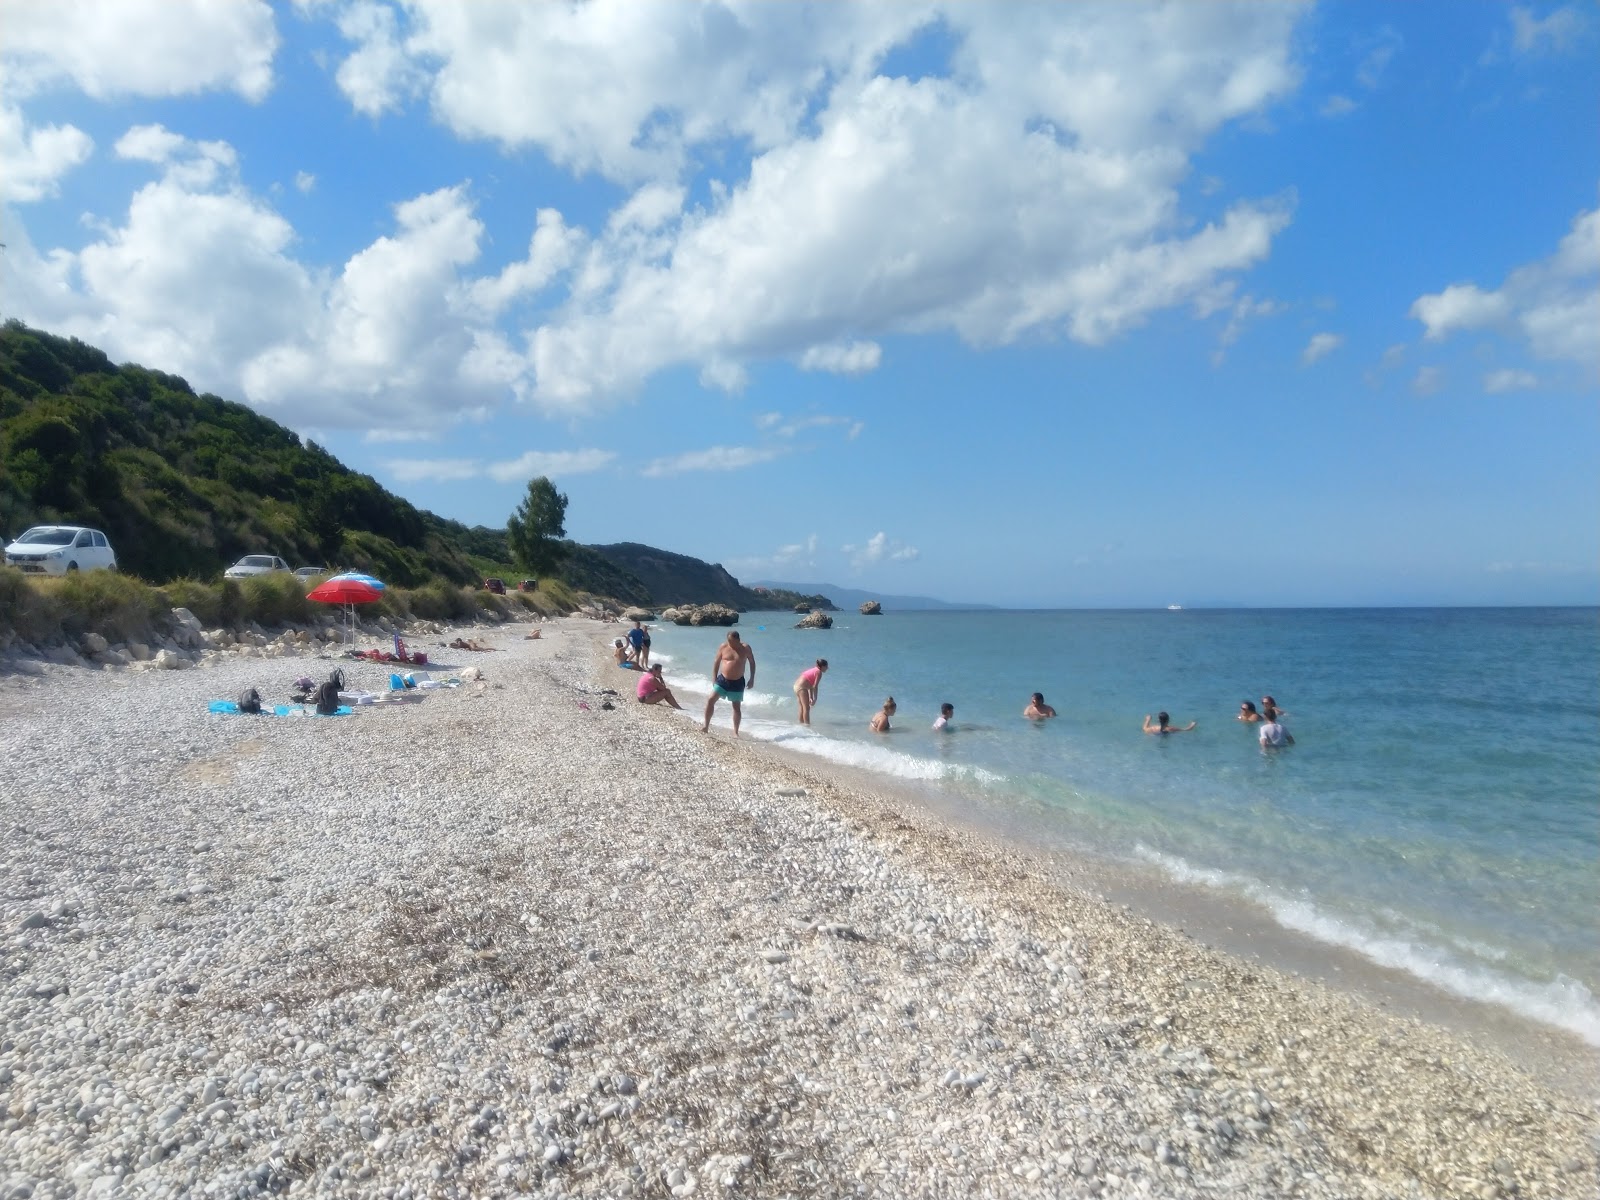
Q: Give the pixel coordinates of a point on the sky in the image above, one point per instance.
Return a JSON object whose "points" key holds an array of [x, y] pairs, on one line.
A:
{"points": [[1034, 305]]}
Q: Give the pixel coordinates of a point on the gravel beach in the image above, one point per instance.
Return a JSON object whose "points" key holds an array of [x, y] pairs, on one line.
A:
{"points": [[507, 939]]}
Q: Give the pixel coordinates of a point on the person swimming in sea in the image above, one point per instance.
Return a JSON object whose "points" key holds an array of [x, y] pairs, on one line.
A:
{"points": [[1248, 713], [1272, 733], [880, 719], [947, 713], [1163, 725], [1037, 709], [1268, 704]]}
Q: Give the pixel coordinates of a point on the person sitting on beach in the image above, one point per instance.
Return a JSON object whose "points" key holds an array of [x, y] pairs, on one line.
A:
{"points": [[728, 680], [652, 690], [1248, 713], [1163, 725], [621, 654], [947, 713], [880, 719], [1037, 709], [805, 688], [1272, 733]]}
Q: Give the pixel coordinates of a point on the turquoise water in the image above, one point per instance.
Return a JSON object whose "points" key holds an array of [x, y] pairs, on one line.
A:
{"points": [[1439, 814]]}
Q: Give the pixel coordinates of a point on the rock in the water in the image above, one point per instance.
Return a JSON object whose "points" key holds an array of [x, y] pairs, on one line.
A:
{"points": [[871, 608], [816, 620], [704, 614], [802, 607]]}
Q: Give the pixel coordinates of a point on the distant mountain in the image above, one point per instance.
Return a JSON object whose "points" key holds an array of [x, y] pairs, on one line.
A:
{"points": [[847, 598]]}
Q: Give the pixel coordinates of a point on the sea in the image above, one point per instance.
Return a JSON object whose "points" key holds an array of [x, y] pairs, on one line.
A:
{"points": [[1438, 814]]}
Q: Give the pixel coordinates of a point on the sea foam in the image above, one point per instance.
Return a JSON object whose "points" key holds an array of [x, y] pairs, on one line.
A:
{"points": [[1562, 1002]]}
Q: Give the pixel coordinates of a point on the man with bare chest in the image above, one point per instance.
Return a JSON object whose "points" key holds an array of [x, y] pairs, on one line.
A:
{"points": [[728, 680]]}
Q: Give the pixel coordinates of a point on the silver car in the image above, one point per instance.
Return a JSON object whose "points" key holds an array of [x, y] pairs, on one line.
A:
{"points": [[256, 564]]}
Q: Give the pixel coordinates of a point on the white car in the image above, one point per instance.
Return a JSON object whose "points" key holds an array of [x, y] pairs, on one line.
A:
{"points": [[307, 574], [60, 550], [256, 564]]}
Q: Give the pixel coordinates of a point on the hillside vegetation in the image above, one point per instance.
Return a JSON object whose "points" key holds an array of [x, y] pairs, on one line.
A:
{"points": [[184, 484]]}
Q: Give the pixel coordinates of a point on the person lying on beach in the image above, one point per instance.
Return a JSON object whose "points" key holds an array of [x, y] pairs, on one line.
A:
{"points": [[728, 680], [652, 690], [1163, 725], [534, 636], [880, 719], [469, 644], [947, 713], [1248, 713], [805, 688], [1272, 734], [1037, 709]]}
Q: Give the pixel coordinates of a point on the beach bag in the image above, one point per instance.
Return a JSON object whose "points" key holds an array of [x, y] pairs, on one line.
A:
{"points": [[250, 701]]}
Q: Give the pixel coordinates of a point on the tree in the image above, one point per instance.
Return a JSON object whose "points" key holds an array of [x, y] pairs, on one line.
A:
{"points": [[532, 530]]}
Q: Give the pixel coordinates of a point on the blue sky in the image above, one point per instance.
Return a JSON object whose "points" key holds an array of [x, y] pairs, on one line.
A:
{"points": [[1054, 305]]}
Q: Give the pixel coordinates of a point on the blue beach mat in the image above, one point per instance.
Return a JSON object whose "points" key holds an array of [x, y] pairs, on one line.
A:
{"points": [[229, 708]]}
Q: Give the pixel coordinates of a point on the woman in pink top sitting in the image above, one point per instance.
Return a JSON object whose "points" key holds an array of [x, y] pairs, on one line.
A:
{"points": [[653, 691], [805, 688]]}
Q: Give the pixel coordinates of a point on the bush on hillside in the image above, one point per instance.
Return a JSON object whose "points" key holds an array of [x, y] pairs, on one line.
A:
{"points": [[204, 600]]}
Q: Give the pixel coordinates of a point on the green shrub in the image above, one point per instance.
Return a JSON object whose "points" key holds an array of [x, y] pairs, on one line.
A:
{"points": [[440, 600], [116, 606], [493, 603], [276, 599], [204, 600], [25, 609]]}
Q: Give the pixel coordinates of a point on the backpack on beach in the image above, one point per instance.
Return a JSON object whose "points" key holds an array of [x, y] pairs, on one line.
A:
{"points": [[327, 694], [250, 701]]}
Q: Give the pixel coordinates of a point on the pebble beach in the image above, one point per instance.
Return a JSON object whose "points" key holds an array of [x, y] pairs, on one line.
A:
{"points": [[525, 937]]}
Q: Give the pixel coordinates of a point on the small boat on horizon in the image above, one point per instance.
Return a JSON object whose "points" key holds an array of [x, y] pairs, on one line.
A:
{"points": [[1174, 608]]}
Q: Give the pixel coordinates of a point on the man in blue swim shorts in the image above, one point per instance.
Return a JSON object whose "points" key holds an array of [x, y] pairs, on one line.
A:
{"points": [[728, 680]]}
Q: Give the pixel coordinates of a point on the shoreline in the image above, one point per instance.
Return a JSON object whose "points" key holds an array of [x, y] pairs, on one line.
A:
{"points": [[1238, 927], [507, 939]]}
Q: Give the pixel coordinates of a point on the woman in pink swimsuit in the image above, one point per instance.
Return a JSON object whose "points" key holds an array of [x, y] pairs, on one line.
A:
{"points": [[805, 688]]}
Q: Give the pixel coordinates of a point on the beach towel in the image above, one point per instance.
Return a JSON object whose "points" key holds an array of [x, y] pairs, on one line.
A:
{"points": [[230, 708]]}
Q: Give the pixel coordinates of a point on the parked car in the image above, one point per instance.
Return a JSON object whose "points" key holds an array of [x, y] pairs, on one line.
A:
{"points": [[307, 574], [495, 585], [528, 585], [256, 564], [61, 549]]}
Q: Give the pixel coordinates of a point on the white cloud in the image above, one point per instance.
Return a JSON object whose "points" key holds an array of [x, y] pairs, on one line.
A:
{"points": [[1553, 304], [33, 160], [1509, 380], [555, 464], [715, 458], [1320, 346], [1241, 313], [1369, 74], [1459, 306], [436, 470], [305, 182], [880, 548], [842, 358], [1553, 34], [379, 75], [802, 553], [1338, 106], [552, 249], [1427, 381], [1033, 192], [388, 435], [139, 47]]}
